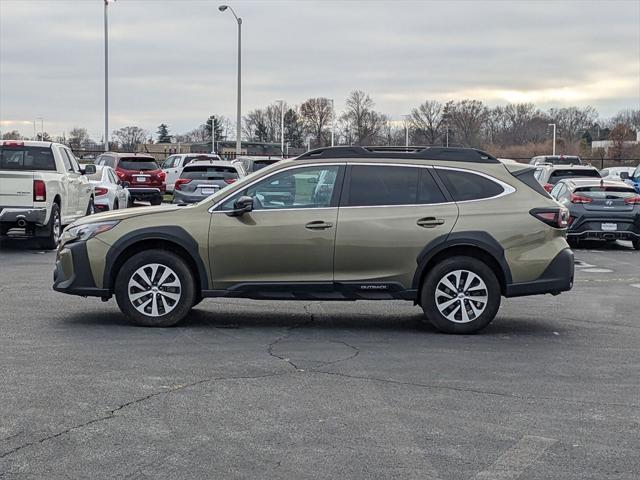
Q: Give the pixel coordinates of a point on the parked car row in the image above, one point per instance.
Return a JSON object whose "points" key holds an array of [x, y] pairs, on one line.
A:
{"points": [[603, 205]]}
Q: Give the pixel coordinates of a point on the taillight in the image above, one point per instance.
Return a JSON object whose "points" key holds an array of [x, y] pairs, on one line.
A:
{"points": [[632, 200], [101, 191], [12, 143], [548, 187], [180, 182], [39, 191], [579, 199], [161, 175], [121, 174], [230, 180], [554, 217]]}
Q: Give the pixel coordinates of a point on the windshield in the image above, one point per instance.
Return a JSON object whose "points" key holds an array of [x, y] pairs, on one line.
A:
{"points": [[209, 173], [27, 158], [138, 164]]}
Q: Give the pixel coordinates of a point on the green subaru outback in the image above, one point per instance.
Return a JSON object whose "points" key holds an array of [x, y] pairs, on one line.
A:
{"points": [[450, 229]]}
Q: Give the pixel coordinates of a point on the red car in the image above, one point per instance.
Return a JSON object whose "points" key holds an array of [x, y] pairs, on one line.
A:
{"points": [[139, 172]]}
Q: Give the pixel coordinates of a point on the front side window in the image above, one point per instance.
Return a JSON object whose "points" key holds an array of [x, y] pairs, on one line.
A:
{"points": [[307, 187], [465, 186], [169, 162]]}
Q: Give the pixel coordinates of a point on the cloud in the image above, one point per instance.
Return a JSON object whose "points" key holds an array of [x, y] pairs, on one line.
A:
{"points": [[174, 61]]}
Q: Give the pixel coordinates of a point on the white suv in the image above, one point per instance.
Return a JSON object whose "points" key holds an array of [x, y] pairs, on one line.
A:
{"points": [[173, 165], [549, 175]]}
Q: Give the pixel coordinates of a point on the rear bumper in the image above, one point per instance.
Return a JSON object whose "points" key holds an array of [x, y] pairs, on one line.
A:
{"points": [[140, 193], [589, 226], [557, 278], [72, 273], [179, 197], [12, 215]]}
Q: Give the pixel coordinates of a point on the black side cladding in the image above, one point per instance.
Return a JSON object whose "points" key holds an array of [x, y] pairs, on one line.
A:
{"points": [[526, 176]]}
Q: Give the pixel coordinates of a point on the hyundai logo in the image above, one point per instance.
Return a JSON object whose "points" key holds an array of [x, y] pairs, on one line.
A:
{"points": [[609, 203]]}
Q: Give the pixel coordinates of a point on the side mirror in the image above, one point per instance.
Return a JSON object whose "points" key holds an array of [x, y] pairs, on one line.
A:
{"points": [[89, 169], [124, 184], [624, 176], [241, 206]]}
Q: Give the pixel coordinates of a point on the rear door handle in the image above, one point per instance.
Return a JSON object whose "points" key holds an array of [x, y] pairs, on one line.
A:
{"points": [[318, 225], [430, 222]]}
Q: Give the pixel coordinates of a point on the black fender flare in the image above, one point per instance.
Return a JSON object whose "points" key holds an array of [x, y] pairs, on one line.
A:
{"points": [[476, 239], [169, 233]]}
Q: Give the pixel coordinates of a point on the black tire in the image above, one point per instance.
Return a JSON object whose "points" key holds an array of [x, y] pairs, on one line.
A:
{"points": [[177, 311], [573, 242], [53, 229], [116, 204], [156, 201], [91, 208], [477, 273], [636, 244]]}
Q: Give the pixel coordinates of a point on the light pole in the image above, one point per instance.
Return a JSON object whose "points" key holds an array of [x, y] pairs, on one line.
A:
{"points": [[406, 130], [333, 122], [554, 137], [41, 128], [106, 74], [222, 8], [281, 127]]}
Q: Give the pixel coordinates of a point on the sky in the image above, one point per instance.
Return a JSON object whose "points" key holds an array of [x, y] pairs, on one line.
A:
{"points": [[174, 61]]}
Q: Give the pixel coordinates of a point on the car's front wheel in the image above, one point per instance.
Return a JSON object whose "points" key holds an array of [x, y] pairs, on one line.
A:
{"points": [[155, 288], [460, 295]]}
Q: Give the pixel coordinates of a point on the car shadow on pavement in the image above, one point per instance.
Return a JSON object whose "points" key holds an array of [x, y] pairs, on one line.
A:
{"points": [[20, 244], [409, 322]]}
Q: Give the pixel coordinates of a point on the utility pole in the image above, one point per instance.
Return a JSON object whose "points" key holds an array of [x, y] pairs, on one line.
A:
{"points": [[281, 127], [333, 122], [554, 137]]}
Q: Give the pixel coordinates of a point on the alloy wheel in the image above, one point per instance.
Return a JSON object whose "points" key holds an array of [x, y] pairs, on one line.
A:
{"points": [[461, 296], [154, 289]]}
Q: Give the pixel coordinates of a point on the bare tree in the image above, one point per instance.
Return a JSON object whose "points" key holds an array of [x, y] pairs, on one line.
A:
{"points": [[130, 137], [12, 135], [316, 116], [427, 122], [364, 124], [573, 121], [78, 138], [466, 119]]}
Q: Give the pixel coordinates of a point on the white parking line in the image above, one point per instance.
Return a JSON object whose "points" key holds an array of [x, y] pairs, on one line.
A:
{"points": [[635, 285], [512, 463], [597, 270], [581, 264]]}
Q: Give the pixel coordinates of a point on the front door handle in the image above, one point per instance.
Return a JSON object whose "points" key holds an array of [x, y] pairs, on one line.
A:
{"points": [[430, 222], [318, 225]]}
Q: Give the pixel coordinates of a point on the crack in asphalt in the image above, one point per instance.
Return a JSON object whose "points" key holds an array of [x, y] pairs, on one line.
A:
{"points": [[288, 333], [113, 412], [475, 390]]}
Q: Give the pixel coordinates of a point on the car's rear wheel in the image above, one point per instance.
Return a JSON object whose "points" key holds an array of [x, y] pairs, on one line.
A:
{"points": [[53, 229], [460, 295], [155, 288], [116, 204], [156, 201], [636, 244]]}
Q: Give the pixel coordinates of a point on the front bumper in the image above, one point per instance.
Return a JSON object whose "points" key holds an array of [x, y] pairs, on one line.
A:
{"points": [[37, 216], [557, 278], [72, 274]]}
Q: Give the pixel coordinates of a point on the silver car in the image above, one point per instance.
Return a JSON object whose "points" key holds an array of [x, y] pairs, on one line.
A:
{"points": [[202, 178]]}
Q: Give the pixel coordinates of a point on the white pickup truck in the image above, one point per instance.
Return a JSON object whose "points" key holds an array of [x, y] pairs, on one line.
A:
{"points": [[42, 188]]}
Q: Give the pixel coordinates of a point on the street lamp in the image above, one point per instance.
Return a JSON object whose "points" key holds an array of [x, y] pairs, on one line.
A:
{"points": [[222, 8], [554, 137], [41, 128], [406, 130], [106, 74], [333, 123], [281, 126]]}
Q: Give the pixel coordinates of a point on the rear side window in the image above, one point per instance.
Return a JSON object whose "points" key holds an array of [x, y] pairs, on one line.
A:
{"points": [[373, 185], [27, 158], [465, 186], [209, 173], [138, 164], [557, 175]]}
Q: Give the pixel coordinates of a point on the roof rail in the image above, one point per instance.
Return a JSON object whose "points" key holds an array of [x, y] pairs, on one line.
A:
{"points": [[456, 154]]}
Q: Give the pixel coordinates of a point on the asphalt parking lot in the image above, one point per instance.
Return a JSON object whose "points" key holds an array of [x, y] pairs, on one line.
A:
{"points": [[248, 389]]}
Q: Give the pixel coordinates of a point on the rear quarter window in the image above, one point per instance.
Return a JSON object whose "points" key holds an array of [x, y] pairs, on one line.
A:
{"points": [[27, 158], [465, 186]]}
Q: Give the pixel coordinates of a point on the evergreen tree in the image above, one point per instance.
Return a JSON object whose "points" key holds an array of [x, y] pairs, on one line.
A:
{"points": [[163, 134], [218, 126]]}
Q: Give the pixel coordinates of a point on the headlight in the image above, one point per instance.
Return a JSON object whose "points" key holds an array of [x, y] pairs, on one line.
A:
{"points": [[87, 231]]}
